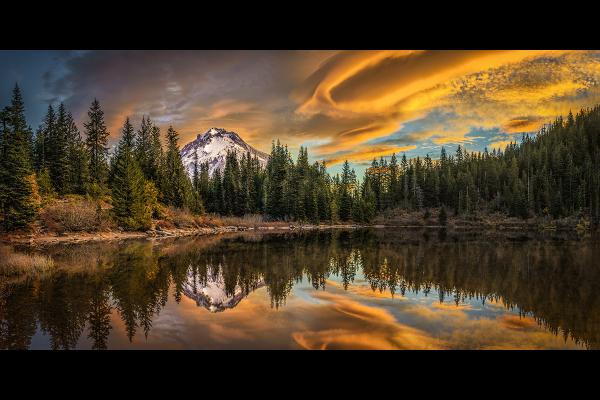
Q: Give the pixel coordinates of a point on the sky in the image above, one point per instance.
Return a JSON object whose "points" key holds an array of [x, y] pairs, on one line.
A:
{"points": [[353, 105]]}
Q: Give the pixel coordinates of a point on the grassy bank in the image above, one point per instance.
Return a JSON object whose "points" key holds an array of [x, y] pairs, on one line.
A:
{"points": [[21, 263], [488, 221], [78, 219]]}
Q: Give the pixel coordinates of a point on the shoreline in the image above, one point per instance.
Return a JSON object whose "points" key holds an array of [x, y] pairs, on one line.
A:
{"points": [[51, 238]]}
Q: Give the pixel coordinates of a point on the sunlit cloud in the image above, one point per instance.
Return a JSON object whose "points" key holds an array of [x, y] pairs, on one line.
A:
{"points": [[523, 124], [352, 105], [368, 153]]}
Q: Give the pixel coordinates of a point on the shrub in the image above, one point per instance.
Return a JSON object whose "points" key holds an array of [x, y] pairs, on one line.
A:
{"points": [[75, 215], [182, 218], [45, 184]]}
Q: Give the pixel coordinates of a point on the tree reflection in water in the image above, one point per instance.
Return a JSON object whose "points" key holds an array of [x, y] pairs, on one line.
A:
{"points": [[555, 281]]}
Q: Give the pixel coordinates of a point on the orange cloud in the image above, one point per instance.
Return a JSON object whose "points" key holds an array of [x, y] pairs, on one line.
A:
{"points": [[523, 124], [343, 99], [369, 153]]}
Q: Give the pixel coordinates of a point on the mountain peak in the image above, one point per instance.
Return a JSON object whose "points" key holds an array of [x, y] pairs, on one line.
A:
{"points": [[213, 132], [212, 147]]}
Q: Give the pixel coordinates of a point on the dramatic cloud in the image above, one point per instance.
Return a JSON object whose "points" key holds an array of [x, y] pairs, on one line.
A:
{"points": [[352, 105]]}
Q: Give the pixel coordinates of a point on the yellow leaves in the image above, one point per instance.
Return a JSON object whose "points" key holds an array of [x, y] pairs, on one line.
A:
{"points": [[36, 199]]}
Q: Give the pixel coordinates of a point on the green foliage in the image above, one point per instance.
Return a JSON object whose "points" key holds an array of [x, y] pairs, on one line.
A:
{"points": [[45, 184], [276, 179], [152, 207], [132, 206], [18, 203], [56, 152], [148, 150], [554, 173], [346, 190], [96, 144], [175, 184]]}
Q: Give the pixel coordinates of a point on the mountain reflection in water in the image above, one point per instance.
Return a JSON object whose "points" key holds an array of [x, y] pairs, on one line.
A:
{"points": [[376, 288]]}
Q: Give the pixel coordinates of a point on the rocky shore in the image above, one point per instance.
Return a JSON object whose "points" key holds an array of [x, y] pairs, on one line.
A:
{"points": [[41, 238], [47, 238]]}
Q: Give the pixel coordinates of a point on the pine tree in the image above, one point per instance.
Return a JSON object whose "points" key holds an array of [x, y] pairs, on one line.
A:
{"points": [[204, 184], [96, 144], [128, 190], [197, 203], [345, 196], [57, 152], [392, 189], [156, 156], [217, 193], [176, 185], [276, 176], [196, 173], [323, 191], [42, 138], [143, 148], [17, 183], [367, 202], [231, 185], [302, 191], [77, 159], [246, 185]]}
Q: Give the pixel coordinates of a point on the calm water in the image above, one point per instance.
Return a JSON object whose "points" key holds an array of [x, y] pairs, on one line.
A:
{"points": [[363, 289]]}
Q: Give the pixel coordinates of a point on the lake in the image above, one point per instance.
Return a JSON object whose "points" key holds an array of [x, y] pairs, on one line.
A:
{"points": [[327, 289]]}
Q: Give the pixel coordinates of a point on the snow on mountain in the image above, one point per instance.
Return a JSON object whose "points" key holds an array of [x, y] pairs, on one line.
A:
{"points": [[211, 294], [212, 146]]}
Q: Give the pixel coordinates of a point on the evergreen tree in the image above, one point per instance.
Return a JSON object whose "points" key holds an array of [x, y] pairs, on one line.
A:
{"points": [[18, 205], [42, 138], [197, 204], [346, 192], [143, 148], [276, 175], [176, 185], [368, 201], [128, 190], [156, 156], [97, 146], [216, 189], [204, 184], [57, 152], [231, 186], [78, 177]]}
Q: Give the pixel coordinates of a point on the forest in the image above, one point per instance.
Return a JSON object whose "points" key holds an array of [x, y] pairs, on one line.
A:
{"points": [[553, 173]]}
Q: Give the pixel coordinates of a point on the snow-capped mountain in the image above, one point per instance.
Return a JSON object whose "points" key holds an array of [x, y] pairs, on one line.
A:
{"points": [[211, 294], [212, 146]]}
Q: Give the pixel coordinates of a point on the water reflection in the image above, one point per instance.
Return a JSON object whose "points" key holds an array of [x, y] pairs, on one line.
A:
{"points": [[375, 289]]}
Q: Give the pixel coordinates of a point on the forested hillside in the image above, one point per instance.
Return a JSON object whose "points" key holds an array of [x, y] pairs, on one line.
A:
{"points": [[555, 172]]}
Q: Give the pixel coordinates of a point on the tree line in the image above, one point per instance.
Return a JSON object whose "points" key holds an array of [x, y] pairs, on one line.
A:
{"points": [[555, 172]]}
